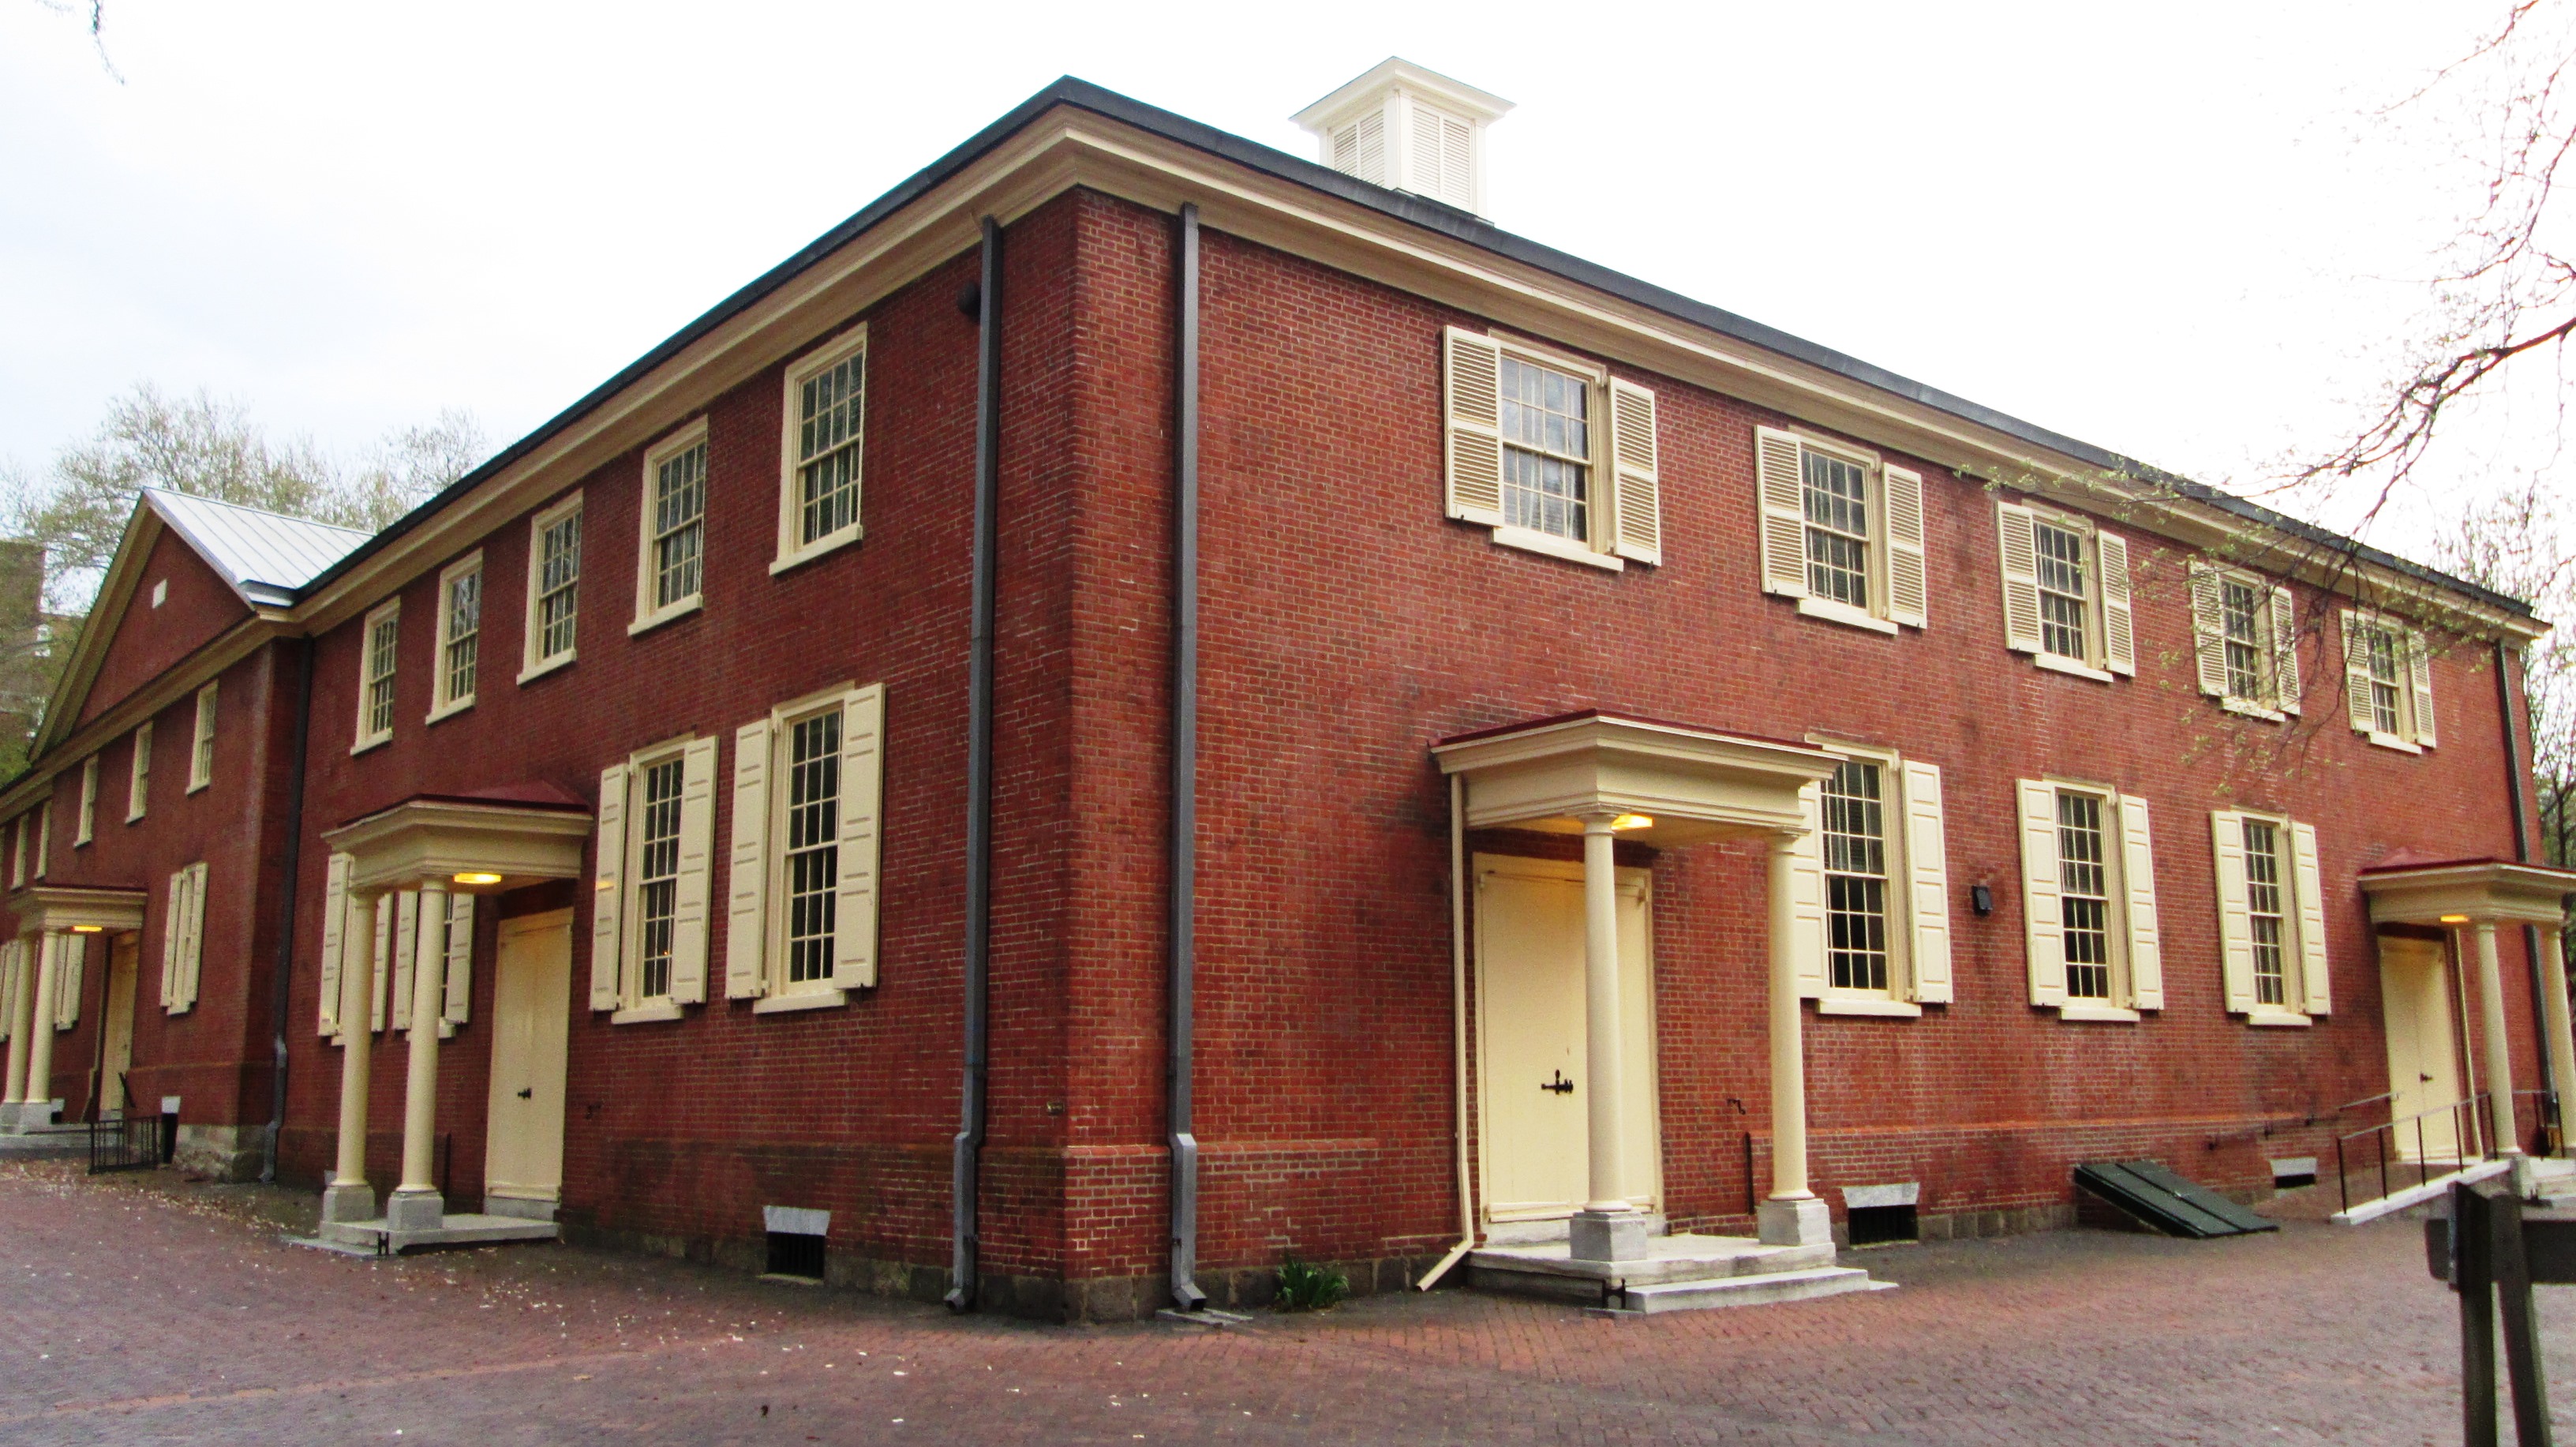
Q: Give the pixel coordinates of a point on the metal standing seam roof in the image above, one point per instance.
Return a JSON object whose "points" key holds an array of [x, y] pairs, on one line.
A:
{"points": [[268, 557]]}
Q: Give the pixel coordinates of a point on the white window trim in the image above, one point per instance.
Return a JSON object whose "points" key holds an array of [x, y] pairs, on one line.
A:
{"points": [[531, 666], [2237, 704], [1873, 618], [469, 565], [88, 822], [777, 993], [1845, 614], [793, 553], [2096, 651], [2403, 636], [1900, 917], [138, 774], [634, 1006], [2115, 884], [647, 616], [2294, 941], [1599, 524], [2059, 663], [201, 740], [391, 609]]}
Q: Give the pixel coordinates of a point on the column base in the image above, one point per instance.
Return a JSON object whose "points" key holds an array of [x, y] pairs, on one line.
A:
{"points": [[348, 1201], [415, 1210], [1607, 1236], [1794, 1223]]}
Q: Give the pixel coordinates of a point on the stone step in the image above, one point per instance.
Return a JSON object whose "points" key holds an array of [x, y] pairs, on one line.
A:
{"points": [[454, 1229], [1758, 1290]]}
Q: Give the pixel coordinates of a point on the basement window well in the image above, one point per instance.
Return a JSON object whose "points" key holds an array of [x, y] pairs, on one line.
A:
{"points": [[1881, 1215], [796, 1238]]}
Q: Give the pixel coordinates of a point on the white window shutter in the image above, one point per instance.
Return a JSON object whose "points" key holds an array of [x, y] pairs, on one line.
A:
{"points": [[68, 952], [854, 917], [194, 962], [1782, 492], [747, 874], [2119, 621], [406, 945], [1807, 896], [10, 950], [2307, 881], [2235, 914], [1908, 587], [2286, 687], [44, 835], [697, 869], [2043, 919], [460, 960], [607, 890], [2209, 629], [1637, 488], [2017, 538], [2356, 675], [1474, 399], [2138, 878], [174, 910], [1369, 140], [383, 954], [2419, 667], [1927, 868], [335, 928]]}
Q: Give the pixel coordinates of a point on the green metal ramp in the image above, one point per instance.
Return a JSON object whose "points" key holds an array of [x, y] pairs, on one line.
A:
{"points": [[2158, 1197]]}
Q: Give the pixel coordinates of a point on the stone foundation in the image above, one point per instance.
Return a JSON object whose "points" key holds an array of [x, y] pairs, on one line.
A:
{"points": [[230, 1153]]}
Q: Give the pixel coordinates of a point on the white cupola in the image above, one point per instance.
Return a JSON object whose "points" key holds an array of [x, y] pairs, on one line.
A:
{"points": [[1409, 128]]}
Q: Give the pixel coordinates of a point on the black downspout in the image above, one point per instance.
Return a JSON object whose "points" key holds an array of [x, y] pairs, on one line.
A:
{"points": [[286, 912], [969, 1144], [1185, 776], [2558, 1089]]}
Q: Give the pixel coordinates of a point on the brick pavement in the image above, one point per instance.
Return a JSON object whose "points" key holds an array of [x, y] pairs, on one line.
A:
{"points": [[141, 1309]]}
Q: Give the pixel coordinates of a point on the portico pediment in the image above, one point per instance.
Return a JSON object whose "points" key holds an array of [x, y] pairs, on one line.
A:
{"points": [[1673, 784], [54, 908], [2481, 891], [458, 842]]}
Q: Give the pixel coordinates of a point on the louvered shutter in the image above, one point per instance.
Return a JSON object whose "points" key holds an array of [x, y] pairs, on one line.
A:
{"points": [[1371, 145], [335, 925], [382, 954], [2138, 878], [69, 951], [1927, 869], [2119, 623], [2209, 629], [2356, 675], [1908, 588], [1636, 484], [697, 867], [1346, 149], [2017, 540], [2235, 914], [747, 872], [607, 904], [1474, 399], [1807, 896], [2042, 917], [460, 960], [2419, 668], [173, 938], [1422, 165], [406, 947], [2286, 687], [2307, 882], [1782, 494], [854, 917]]}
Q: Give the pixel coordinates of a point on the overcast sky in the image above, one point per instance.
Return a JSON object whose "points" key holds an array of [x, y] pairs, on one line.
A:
{"points": [[2182, 231]]}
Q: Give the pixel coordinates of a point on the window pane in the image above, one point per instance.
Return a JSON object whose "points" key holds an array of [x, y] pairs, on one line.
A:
{"points": [[813, 844], [2241, 624], [679, 525], [1855, 846], [1547, 450], [464, 627], [658, 876], [2263, 907], [559, 586], [2063, 593], [1837, 494], [2381, 653], [2083, 882], [828, 416]]}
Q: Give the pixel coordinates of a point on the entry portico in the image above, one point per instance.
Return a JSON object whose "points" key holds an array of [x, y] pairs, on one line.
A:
{"points": [[56, 922]]}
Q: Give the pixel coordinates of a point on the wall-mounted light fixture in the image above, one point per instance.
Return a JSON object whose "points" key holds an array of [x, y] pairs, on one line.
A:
{"points": [[478, 876], [1981, 899]]}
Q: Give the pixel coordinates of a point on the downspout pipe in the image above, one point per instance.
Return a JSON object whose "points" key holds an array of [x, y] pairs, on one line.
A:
{"points": [[2513, 774], [968, 1147], [1185, 779], [286, 913]]}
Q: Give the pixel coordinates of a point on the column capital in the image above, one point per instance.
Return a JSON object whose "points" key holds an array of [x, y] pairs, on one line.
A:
{"points": [[1602, 823]]}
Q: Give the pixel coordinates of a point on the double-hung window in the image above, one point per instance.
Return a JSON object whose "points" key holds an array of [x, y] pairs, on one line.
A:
{"points": [[670, 569], [554, 588], [201, 747], [379, 639], [2089, 901], [2066, 592], [2271, 917], [807, 784], [2388, 682], [1842, 531], [460, 636], [824, 449], [1551, 452], [1872, 884], [650, 901], [138, 778], [2245, 641]]}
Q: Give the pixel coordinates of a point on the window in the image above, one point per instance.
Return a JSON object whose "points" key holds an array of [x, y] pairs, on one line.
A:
{"points": [[460, 636], [2271, 917], [88, 802], [2066, 593], [2388, 682], [2089, 901], [2245, 633], [1874, 937], [813, 843], [1552, 453], [201, 749], [825, 445], [657, 876], [2242, 630], [554, 587], [671, 573], [378, 638], [807, 780], [649, 907], [138, 782], [1855, 878], [1842, 532]]}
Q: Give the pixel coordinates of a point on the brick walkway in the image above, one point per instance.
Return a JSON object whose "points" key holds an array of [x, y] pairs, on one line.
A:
{"points": [[137, 1309]]}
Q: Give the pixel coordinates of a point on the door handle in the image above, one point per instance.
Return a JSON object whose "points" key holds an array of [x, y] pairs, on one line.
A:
{"points": [[528, 1093], [1560, 1085]]}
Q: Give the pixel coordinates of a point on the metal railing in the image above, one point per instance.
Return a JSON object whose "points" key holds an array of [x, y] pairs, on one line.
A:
{"points": [[2470, 1126], [132, 1142]]}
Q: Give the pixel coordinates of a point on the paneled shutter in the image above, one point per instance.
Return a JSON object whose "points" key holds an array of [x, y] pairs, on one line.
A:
{"points": [[2017, 535], [1908, 595], [2119, 624], [68, 953], [1782, 492], [406, 946], [192, 964], [607, 919], [2235, 915], [383, 955], [335, 924], [2419, 667], [9, 952], [2307, 881], [1636, 484], [2286, 688], [747, 872], [2138, 877], [1927, 867], [44, 835], [2043, 918], [174, 910], [2356, 676], [1474, 378], [1807, 896], [2209, 629], [460, 959], [854, 917], [697, 866]]}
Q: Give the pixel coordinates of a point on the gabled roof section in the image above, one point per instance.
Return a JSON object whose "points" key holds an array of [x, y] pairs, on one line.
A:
{"points": [[267, 557]]}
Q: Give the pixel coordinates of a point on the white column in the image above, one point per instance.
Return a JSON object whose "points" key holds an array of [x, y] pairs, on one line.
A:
{"points": [[21, 1006], [2499, 1055], [1792, 1215], [40, 1035], [1604, 1064], [349, 1198], [420, 1087], [2562, 1041]]}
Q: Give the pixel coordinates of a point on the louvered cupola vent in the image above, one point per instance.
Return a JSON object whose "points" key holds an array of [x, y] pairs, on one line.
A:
{"points": [[1405, 127]]}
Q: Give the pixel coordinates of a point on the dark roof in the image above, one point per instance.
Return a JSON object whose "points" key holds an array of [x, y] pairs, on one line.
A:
{"points": [[1435, 216]]}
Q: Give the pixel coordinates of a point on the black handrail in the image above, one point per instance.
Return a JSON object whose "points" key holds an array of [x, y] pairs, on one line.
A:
{"points": [[2464, 1120]]}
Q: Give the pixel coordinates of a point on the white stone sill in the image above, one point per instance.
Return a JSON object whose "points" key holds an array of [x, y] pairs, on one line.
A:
{"points": [[651, 621], [2057, 663], [450, 709], [2244, 709], [1865, 1005], [2098, 1015], [650, 1010], [809, 1000], [811, 551], [1845, 614], [2278, 1018], [2392, 741], [1530, 540], [536, 671]]}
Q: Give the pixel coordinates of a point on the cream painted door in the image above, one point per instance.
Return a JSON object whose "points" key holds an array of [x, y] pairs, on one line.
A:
{"points": [[531, 1015], [1529, 989], [116, 1046], [2423, 1052]]}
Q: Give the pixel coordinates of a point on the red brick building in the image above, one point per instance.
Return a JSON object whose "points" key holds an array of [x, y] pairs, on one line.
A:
{"points": [[1126, 575]]}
